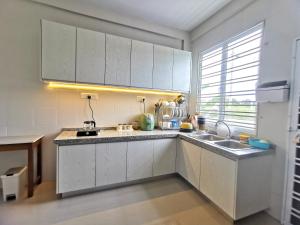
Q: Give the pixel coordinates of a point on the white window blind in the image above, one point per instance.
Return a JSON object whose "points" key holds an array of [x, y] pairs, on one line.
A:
{"points": [[227, 80]]}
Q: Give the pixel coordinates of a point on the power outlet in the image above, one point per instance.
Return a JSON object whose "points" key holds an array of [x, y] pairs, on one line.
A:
{"points": [[140, 98], [85, 96]]}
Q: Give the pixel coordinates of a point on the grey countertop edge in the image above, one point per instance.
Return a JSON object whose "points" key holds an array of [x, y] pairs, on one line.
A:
{"points": [[95, 140], [228, 154], [76, 129]]}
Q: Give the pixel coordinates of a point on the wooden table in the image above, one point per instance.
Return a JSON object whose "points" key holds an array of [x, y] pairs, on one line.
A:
{"points": [[29, 143]]}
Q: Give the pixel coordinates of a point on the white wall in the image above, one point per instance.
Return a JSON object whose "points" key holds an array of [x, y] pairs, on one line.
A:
{"points": [[282, 26], [27, 106]]}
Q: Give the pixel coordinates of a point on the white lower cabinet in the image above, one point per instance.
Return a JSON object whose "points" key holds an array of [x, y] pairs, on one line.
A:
{"points": [[76, 167], [164, 157], [86, 166], [188, 162], [239, 187], [139, 160], [111, 163], [253, 185], [218, 180]]}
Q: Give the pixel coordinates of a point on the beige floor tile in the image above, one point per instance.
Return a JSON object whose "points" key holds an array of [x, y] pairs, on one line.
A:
{"points": [[164, 202]]}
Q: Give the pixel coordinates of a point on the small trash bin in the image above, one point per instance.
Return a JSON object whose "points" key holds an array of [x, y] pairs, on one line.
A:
{"points": [[13, 183]]}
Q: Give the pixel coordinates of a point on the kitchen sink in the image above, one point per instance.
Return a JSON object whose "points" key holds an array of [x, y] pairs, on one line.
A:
{"points": [[221, 142], [207, 137], [231, 144], [210, 137]]}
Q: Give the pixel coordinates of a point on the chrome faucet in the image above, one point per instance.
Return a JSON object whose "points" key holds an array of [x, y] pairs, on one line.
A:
{"points": [[221, 121]]}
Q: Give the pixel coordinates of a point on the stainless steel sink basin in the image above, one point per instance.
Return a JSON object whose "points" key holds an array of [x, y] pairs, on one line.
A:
{"points": [[210, 137], [207, 137], [221, 142], [231, 144]]}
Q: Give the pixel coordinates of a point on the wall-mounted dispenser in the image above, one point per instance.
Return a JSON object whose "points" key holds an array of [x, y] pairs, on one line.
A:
{"points": [[277, 91]]}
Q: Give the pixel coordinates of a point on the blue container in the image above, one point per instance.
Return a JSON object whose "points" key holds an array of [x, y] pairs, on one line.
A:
{"points": [[175, 124], [258, 143]]}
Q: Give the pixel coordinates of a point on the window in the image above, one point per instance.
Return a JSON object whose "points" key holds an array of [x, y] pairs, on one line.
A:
{"points": [[227, 81]]}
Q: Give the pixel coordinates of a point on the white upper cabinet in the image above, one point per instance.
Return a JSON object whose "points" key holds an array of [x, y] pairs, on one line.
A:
{"points": [[111, 163], [181, 70], [139, 160], [163, 68], [141, 64], [90, 66], [58, 51], [118, 51], [85, 56], [164, 157]]}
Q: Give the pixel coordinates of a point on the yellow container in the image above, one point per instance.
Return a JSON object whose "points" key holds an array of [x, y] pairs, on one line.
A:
{"points": [[244, 138]]}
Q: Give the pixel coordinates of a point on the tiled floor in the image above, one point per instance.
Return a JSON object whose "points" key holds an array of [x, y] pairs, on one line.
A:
{"points": [[165, 202]]}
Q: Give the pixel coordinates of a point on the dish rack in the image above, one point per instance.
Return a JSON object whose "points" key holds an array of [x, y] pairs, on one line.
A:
{"points": [[170, 117]]}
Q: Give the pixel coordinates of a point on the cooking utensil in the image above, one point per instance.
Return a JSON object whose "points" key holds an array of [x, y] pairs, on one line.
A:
{"points": [[180, 99]]}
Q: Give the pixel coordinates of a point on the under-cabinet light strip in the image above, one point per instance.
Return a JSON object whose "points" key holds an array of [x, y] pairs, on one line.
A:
{"points": [[108, 88]]}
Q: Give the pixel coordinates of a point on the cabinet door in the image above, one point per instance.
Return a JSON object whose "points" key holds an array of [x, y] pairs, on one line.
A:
{"points": [[162, 68], [218, 180], [164, 156], [90, 66], [76, 167], [182, 70], [111, 163], [58, 51], [139, 159], [188, 162], [141, 64], [118, 51]]}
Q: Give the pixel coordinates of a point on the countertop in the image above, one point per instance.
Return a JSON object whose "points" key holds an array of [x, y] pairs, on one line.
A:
{"points": [[68, 137]]}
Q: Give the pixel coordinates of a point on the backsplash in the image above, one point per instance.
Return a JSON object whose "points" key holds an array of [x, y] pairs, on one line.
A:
{"points": [[51, 110], [40, 110]]}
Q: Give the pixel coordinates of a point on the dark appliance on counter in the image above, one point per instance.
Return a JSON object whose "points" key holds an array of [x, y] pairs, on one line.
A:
{"points": [[89, 129], [89, 126]]}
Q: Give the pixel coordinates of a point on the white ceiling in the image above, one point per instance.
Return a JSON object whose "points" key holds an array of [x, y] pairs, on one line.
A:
{"points": [[180, 14]]}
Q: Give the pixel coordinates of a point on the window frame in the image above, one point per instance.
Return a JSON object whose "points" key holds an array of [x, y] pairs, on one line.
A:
{"points": [[224, 46]]}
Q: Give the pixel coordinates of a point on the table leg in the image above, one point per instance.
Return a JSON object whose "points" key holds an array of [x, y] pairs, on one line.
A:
{"points": [[39, 163], [30, 171]]}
